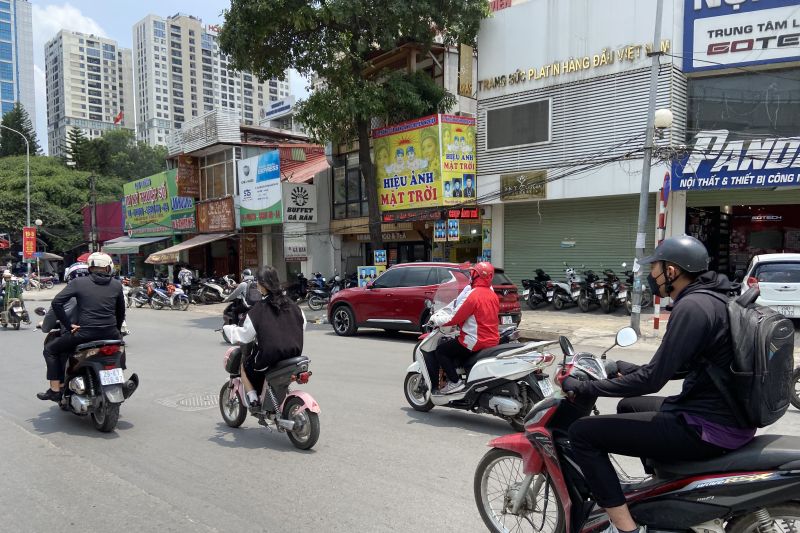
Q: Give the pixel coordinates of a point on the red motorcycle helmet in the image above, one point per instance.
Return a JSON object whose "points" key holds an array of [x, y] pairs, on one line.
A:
{"points": [[483, 270]]}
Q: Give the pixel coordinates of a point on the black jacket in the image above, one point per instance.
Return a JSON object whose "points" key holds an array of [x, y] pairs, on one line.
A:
{"points": [[101, 303], [279, 331], [698, 329], [50, 319]]}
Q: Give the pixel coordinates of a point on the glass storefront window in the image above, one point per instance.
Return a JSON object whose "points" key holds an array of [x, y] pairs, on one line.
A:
{"points": [[217, 174], [748, 104]]}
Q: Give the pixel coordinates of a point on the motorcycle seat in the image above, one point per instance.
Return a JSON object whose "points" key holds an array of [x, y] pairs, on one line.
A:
{"points": [[98, 344], [287, 363], [494, 351], [765, 452]]}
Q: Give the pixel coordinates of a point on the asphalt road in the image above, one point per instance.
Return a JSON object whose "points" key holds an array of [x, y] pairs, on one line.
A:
{"points": [[173, 465]]}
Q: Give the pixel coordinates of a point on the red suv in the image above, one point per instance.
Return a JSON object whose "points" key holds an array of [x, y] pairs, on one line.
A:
{"points": [[397, 299]]}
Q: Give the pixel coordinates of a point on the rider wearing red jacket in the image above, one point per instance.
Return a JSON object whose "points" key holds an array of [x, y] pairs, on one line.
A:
{"points": [[477, 317]]}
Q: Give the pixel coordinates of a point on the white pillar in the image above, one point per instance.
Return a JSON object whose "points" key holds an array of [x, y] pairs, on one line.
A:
{"points": [[676, 214], [265, 251]]}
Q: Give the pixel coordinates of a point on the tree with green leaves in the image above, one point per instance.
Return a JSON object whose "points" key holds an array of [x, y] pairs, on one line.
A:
{"points": [[76, 150], [116, 153], [337, 40], [11, 143]]}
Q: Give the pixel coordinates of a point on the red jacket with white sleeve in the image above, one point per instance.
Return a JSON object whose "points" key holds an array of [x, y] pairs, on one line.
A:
{"points": [[477, 316]]}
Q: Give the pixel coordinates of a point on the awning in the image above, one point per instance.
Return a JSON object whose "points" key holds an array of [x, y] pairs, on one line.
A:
{"points": [[170, 255], [128, 245]]}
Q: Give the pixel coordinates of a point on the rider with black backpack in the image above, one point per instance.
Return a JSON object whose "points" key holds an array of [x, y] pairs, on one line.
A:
{"points": [[704, 420]]}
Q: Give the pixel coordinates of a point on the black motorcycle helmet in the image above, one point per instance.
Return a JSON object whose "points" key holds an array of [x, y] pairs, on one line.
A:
{"points": [[684, 251]]}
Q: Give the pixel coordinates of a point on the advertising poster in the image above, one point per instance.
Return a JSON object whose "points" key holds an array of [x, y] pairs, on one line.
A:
{"points": [[380, 258], [486, 232], [188, 177], [719, 162], [28, 242], [248, 251], [295, 242], [453, 233], [458, 159], [368, 274], [299, 202], [153, 207], [216, 216], [440, 231], [260, 190]]}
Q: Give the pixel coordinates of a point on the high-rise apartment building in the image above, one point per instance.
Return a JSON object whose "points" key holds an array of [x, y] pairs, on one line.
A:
{"points": [[16, 56], [181, 74], [89, 84]]}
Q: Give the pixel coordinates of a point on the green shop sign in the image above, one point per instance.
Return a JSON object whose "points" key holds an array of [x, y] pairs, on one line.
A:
{"points": [[153, 208]]}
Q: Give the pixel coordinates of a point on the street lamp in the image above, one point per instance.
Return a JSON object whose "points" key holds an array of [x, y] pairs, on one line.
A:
{"points": [[27, 174]]}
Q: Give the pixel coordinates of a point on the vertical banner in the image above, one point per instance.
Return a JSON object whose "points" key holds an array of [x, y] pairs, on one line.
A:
{"points": [[260, 190], [295, 242], [458, 159], [188, 177], [248, 250], [380, 257], [486, 240], [465, 60], [28, 242]]}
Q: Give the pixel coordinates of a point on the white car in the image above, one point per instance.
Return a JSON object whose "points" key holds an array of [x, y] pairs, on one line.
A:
{"points": [[778, 278]]}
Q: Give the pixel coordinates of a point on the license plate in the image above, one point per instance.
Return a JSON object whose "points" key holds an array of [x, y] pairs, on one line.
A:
{"points": [[599, 292], [576, 294], [786, 310], [623, 294], [111, 377], [549, 294], [526, 292], [18, 310], [506, 319], [546, 387]]}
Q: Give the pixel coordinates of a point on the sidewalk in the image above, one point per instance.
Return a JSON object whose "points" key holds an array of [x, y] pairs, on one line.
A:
{"points": [[594, 328]]}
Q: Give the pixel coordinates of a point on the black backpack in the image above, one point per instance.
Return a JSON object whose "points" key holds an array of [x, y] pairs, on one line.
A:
{"points": [[758, 384]]}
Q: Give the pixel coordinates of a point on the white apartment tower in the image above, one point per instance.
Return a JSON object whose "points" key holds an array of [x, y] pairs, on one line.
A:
{"points": [[89, 82], [16, 57], [181, 74]]}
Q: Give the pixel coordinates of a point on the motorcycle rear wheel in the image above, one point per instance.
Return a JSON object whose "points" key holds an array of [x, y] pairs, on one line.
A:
{"points": [[795, 392], [501, 471], [533, 302], [583, 303], [181, 303], [307, 437], [605, 303], [315, 303], [558, 303], [232, 411], [106, 418], [785, 517]]}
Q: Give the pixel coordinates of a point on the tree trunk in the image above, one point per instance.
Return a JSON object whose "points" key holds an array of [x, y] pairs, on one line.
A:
{"points": [[368, 172]]}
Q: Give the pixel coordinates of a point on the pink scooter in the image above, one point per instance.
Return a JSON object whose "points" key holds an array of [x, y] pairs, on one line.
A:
{"points": [[292, 411]]}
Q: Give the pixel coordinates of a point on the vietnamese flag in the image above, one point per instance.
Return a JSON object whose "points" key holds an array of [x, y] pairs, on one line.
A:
{"points": [[119, 117]]}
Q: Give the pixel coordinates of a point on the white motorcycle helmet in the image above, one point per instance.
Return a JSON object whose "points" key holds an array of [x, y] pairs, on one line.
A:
{"points": [[101, 261]]}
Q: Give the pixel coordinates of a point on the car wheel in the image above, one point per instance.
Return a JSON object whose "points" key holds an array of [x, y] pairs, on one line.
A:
{"points": [[344, 322]]}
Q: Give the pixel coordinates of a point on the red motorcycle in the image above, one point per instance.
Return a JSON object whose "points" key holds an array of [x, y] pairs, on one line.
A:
{"points": [[529, 481]]}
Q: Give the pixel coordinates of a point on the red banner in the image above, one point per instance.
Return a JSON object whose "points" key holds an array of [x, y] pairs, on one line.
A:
{"points": [[28, 242]]}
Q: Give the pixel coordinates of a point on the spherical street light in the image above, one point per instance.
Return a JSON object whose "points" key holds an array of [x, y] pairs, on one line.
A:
{"points": [[663, 119], [38, 222]]}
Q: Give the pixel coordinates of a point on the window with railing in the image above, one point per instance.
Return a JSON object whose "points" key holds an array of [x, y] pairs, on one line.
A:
{"points": [[349, 193]]}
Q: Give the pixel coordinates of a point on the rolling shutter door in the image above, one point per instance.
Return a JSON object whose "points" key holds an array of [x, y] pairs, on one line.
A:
{"points": [[603, 229]]}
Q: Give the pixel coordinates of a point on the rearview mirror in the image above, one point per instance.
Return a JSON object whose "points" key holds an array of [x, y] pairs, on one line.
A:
{"points": [[626, 337], [566, 346]]}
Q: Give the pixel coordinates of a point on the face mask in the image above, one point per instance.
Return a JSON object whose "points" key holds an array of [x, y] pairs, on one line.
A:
{"points": [[655, 288]]}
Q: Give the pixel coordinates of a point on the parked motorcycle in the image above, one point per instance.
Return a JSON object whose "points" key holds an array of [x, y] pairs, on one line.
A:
{"points": [[319, 297], [13, 312], [616, 293], [538, 290], [281, 407], [94, 380], [569, 291], [300, 289], [211, 292], [647, 296], [591, 291], [529, 480], [172, 297], [502, 380]]}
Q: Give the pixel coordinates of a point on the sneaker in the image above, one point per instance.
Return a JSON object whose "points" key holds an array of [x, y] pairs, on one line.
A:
{"points": [[613, 529], [49, 394], [451, 387]]}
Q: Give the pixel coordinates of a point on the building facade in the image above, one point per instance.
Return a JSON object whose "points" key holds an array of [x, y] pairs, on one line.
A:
{"points": [[89, 82], [180, 74], [16, 57], [561, 120]]}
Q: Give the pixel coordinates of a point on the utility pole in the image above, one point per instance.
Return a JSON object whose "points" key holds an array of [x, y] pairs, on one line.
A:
{"points": [[93, 204], [641, 232]]}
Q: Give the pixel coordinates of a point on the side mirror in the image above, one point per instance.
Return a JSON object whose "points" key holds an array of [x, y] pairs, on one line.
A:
{"points": [[626, 337], [40, 311], [566, 346]]}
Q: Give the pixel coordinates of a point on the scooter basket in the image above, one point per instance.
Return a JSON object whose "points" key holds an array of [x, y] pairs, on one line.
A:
{"points": [[233, 360]]}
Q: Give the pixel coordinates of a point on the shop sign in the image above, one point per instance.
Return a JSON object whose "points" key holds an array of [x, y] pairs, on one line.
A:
{"points": [[392, 236], [766, 218], [427, 162], [299, 202], [465, 60], [465, 213], [216, 216], [523, 76], [152, 207], [531, 185], [411, 215], [188, 177], [722, 34], [260, 189], [295, 242], [249, 250], [279, 109], [28, 242], [715, 162]]}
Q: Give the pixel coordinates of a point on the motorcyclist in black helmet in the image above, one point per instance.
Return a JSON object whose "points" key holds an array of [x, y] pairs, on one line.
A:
{"points": [[693, 425]]}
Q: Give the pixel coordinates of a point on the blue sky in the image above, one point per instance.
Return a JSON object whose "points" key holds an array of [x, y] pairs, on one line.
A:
{"points": [[113, 19]]}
